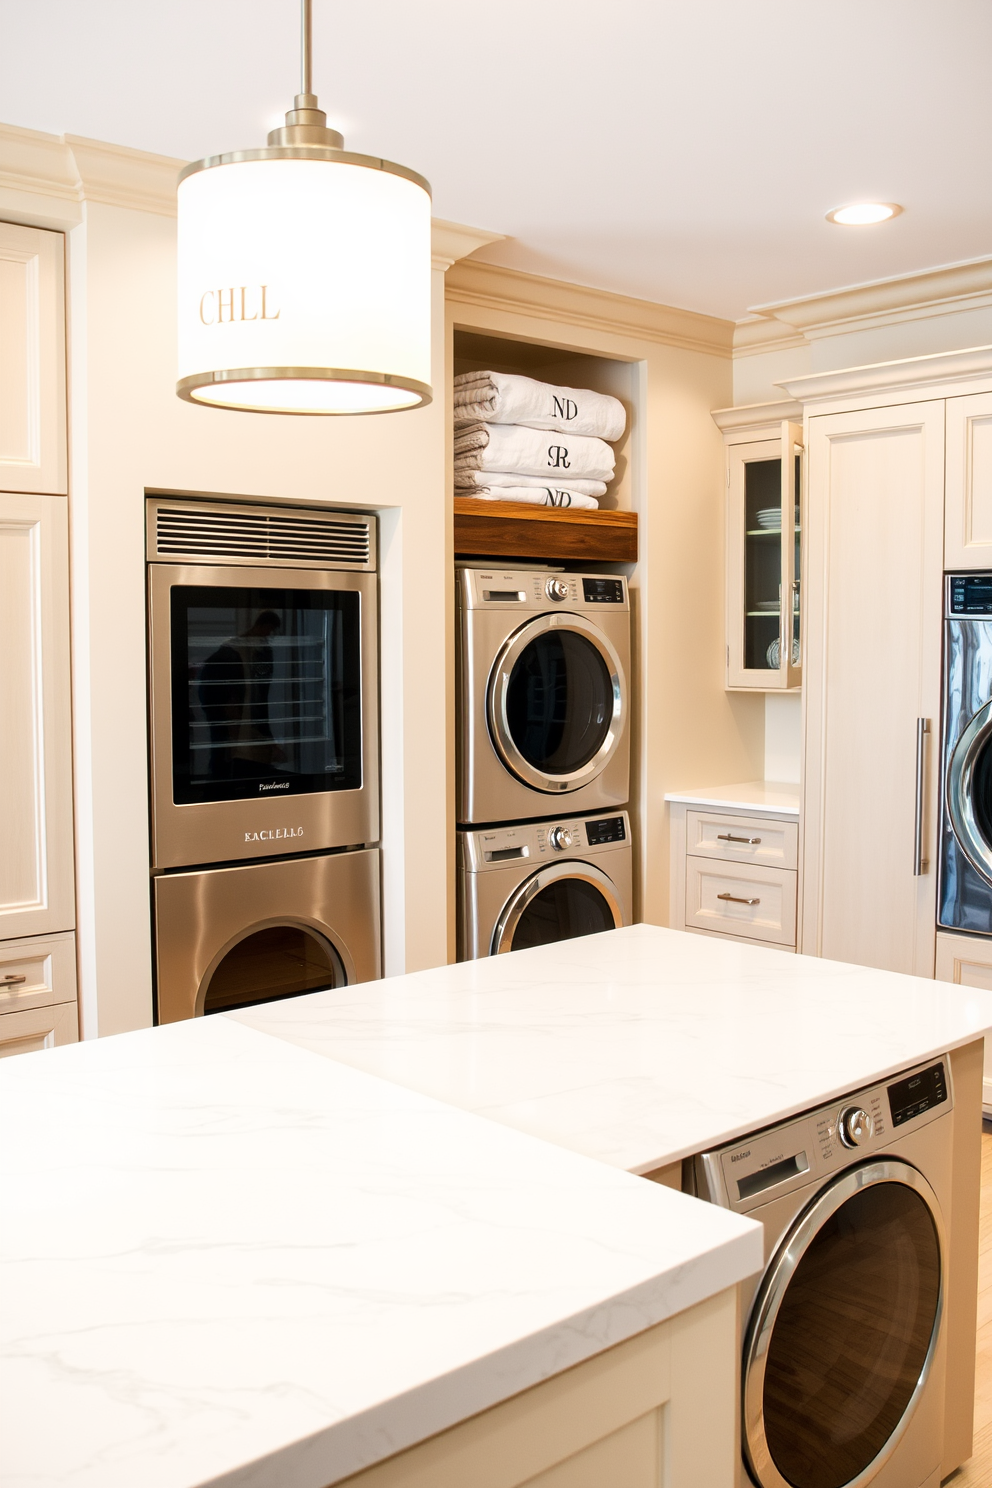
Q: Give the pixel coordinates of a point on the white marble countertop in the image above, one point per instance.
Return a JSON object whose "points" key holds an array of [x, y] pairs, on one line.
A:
{"points": [[229, 1261], [638, 1046], [751, 795]]}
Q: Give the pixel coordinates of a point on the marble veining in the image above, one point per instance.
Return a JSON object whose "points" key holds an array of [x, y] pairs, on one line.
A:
{"points": [[639, 1046], [230, 1262]]}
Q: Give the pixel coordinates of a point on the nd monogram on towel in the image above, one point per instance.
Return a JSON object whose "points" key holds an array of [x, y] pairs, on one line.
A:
{"points": [[563, 408]]}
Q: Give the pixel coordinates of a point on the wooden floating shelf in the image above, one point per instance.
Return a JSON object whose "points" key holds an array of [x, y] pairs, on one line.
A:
{"points": [[512, 529]]}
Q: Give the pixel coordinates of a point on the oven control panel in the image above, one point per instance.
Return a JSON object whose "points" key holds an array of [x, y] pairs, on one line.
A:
{"points": [[809, 1148]]}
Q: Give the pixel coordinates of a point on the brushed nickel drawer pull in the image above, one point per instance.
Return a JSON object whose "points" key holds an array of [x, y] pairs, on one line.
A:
{"points": [[734, 899], [729, 837], [12, 979]]}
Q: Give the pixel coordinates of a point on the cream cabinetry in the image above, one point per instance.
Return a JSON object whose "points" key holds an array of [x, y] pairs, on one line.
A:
{"points": [[763, 544], [734, 868], [657, 1409], [37, 912], [967, 961], [874, 529], [968, 500], [36, 866], [32, 360]]}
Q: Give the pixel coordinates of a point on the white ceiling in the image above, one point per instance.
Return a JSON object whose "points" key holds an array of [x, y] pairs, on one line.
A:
{"points": [[684, 151]]}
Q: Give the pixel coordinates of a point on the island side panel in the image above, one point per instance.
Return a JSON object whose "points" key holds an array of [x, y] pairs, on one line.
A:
{"points": [[659, 1409], [962, 1269]]}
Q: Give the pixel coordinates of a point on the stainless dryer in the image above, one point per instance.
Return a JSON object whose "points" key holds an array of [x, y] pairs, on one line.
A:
{"points": [[843, 1367], [542, 882], [543, 693]]}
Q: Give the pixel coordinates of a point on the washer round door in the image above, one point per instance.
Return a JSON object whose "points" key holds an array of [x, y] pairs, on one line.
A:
{"points": [[560, 902], [843, 1330], [556, 702], [969, 791]]}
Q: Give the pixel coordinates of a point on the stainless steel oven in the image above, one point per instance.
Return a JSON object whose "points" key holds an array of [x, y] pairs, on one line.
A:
{"points": [[263, 681]]}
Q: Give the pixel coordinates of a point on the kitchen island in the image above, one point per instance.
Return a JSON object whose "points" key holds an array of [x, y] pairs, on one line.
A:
{"points": [[393, 1232]]}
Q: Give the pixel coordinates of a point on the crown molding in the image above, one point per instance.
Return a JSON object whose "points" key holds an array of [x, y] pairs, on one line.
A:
{"points": [[908, 372], [492, 287], [751, 337], [958, 286], [121, 177], [754, 415], [450, 241]]}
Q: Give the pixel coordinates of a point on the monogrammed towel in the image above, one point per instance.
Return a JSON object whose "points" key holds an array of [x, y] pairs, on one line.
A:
{"points": [[503, 398], [467, 481], [534, 496], [510, 448]]}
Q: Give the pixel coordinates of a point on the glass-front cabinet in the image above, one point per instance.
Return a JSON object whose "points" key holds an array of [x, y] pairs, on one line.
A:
{"points": [[764, 538]]}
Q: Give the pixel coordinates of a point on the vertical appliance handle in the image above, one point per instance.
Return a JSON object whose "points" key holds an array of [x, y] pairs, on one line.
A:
{"points": [[920, 863]]}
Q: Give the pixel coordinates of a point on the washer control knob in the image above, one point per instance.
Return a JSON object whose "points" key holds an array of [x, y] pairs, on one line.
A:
{"points": [[556, 589], [560, 838], [855, 1127]]}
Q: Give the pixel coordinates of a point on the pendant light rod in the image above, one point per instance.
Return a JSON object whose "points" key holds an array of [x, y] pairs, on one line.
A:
{"points": [[306, 47]]}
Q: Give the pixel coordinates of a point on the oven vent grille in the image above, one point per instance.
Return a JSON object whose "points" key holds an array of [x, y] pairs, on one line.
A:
{"points": [[262, 537]]}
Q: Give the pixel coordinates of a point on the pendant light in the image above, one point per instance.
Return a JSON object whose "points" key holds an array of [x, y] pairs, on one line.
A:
{"points": [[304, 274]]}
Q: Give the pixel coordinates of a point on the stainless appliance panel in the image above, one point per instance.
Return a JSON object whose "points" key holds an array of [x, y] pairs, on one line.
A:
{"points": [[540, 882], [201, 919], [277, 820], [543, 684]]}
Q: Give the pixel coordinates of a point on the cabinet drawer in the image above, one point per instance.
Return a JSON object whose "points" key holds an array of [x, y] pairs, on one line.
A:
{"points": [[37, 972], [742, 839], [38, 1028], [742, 899]]}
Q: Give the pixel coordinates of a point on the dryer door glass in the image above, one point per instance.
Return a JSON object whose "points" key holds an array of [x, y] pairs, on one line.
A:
{"points": [[563, 910], [279, 961], [848, 1336], [559, 702]]}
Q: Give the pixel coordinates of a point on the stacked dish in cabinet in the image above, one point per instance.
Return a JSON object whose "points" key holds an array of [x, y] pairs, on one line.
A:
{"points": [[543, 760], [517, 439]]}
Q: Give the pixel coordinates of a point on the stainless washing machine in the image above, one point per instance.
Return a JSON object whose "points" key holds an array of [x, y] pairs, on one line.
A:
{"points": [[543, 693], [541, 882], [843, 1346], [229, 937], [964, 897]]}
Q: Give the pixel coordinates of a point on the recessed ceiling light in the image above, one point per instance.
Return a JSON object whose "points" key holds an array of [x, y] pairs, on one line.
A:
{"points": [[863, 213]]}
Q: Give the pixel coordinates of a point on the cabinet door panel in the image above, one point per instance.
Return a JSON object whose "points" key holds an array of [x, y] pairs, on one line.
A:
{"points": [[36, 868], [968, 504], [873, 627], [742, 899], [32, 360], [41, 1028]]}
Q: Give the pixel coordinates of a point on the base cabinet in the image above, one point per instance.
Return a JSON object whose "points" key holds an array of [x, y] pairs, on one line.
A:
{"points": [[37, 993], [657, 1410], [734, 873], [966, 960]]}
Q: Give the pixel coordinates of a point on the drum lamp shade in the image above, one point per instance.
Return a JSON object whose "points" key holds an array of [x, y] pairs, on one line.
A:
{"points": [[304, 280]]}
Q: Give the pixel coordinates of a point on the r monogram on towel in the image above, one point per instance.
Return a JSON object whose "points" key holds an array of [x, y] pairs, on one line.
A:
{"points": [[558, 456]]}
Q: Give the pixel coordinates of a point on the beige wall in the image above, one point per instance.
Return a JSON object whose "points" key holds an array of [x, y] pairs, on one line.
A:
{"points": [[129, 433]]}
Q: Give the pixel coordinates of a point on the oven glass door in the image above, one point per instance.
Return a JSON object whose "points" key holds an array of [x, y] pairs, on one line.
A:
{"points": [[843, 1329], [266, 692]]}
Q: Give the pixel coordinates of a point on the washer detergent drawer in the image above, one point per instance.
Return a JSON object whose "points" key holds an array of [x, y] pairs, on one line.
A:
{"points": [[742, 839], [742, 899]]}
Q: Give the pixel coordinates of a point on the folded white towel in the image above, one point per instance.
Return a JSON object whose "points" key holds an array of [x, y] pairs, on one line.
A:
{"points": [[513, 449], [535, 496], [503, 398], [472, 480]]}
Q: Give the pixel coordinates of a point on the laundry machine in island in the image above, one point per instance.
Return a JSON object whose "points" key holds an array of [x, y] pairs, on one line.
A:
{"points": [[535, 883], [543, 693], [843, 1352]]}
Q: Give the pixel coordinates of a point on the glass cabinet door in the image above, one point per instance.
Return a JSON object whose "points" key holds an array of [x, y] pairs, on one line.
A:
{"points": [[763, 562]]}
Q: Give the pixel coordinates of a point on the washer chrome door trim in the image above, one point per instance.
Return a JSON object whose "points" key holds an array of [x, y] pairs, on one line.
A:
{"points": [[771, 1294], [960, 782], [525, 894], [498, 689]]}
